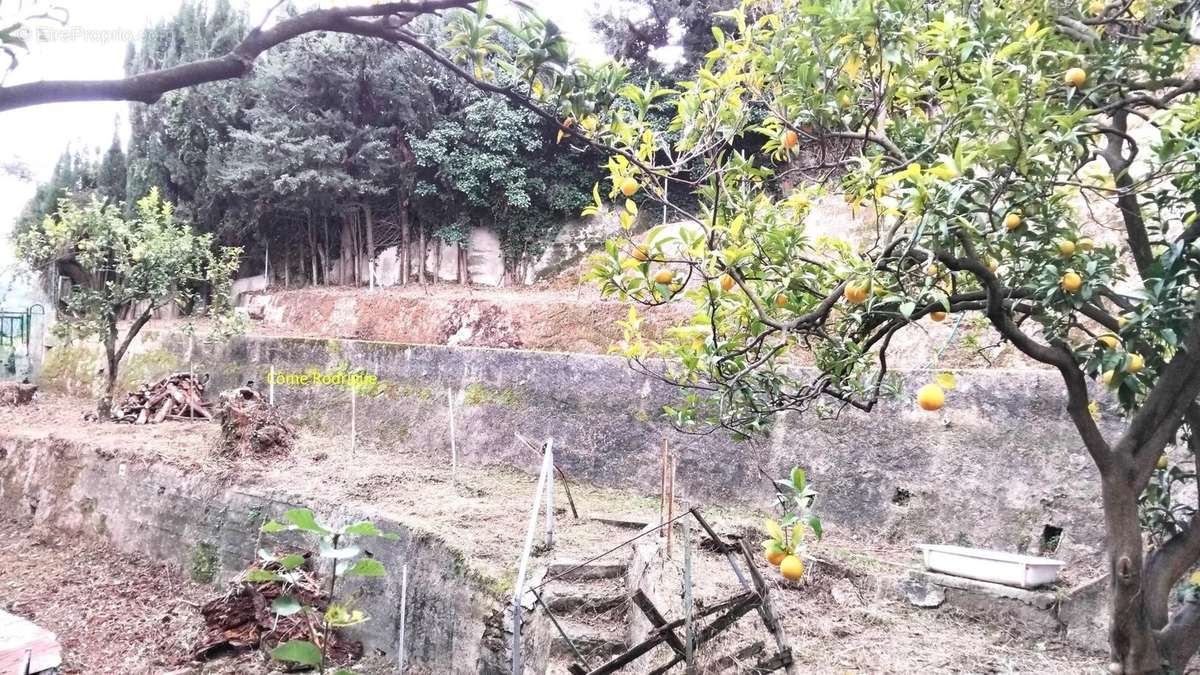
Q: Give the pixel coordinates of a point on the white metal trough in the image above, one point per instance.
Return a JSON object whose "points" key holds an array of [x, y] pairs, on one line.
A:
{"points": [[1010, 569]]}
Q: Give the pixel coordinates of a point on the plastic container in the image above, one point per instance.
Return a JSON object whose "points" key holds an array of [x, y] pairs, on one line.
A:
{"points": [[998, 567]]}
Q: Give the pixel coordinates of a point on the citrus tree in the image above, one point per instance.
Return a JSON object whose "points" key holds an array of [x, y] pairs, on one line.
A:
{"points": [[978, 138], [124, 265]]}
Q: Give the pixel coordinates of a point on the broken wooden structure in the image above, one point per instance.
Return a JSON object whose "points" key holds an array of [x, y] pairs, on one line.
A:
{"points": [[177, 396], [26, 648], [686, 645]]}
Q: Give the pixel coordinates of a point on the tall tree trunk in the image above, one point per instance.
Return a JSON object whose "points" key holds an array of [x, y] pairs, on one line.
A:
{"points": [[437, 261], [104, 405], [405, 244], [312, 249], [326, 262], [423, 250], [287, 263], [1130, 635], [370, 250]]}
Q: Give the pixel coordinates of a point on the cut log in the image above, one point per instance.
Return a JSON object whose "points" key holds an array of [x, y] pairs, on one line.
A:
{"points": [[177, 396]]}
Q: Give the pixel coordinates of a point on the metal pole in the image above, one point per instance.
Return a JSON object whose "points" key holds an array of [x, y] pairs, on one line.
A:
{"points": [[271, 385], [550, 495], [353, 419], [453, 445], [688, 603], [522, 568], [403, 611]]}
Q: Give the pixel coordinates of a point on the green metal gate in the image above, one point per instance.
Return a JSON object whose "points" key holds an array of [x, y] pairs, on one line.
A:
{"points": [[16, 331]]}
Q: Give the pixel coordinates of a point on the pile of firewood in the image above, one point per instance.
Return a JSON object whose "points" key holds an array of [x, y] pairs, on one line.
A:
{"points": [[178, 396]]}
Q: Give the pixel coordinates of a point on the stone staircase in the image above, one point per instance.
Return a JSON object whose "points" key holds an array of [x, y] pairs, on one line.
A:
{"points": [[589, 603]]}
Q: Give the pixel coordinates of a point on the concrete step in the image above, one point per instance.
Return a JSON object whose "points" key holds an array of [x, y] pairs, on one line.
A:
{"points": [[592, 596], [597, 642], [565, 570]]}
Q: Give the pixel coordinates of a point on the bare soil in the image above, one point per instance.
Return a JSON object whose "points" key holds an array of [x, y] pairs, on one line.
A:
{"points": [[121, 613], [562, 319]]}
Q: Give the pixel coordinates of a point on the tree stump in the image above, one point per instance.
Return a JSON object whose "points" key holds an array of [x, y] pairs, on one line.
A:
{"points": [[250, 426]]}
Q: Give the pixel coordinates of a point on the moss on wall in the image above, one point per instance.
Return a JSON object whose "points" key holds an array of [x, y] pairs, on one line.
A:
{"points": [[481, 394], [71, 368]]}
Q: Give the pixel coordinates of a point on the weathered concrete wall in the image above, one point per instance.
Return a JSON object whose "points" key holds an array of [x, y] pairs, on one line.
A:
{"points": [[994, 468], [189, 518]]}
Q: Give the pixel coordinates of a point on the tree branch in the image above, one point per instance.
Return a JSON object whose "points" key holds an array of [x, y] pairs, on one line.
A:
{"points": [[149, 87]]}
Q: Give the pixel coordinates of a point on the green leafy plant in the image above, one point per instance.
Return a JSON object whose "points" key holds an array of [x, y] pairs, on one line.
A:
{"points": [[347, 561], [787, 534]]}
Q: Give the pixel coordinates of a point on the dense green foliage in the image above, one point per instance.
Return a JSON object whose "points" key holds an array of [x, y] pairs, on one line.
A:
{"points": [[335, 146], [121, 264]]}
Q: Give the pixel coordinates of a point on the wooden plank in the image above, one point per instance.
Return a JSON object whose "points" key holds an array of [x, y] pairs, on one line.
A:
{"points": [[658, 620], [21, 639]]}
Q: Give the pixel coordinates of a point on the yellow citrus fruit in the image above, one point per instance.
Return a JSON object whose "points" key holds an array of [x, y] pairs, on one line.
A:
{"points": [[664, 277], [1096, 7], [1071, 282], [791, 568], [1108, 376], [726, 283], [1122, 321], [1066, 248], [776, 556], [932, 271], [790, 139], [640, 253], [1075, 77], [931, 397], [1085, 244], [781, 300], [993, 264], [1012, 221], [1136, 363], [845, 101], [938, 315], [856, 294], [629, 186], [1109, 341], [1162, 461]]}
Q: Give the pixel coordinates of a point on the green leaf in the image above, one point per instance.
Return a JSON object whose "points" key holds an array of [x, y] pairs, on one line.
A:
{"points": [[344, 553], [298, 651], [799, 479], [271, 527], [907, 308], [773, 529], [260, 576], [814, 523], [367, 567], [367, 529], [303, 519], [291, 561], [285, 605]]}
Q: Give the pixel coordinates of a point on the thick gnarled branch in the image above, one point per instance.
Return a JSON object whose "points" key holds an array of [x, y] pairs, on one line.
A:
{"points": [[150, 86]]}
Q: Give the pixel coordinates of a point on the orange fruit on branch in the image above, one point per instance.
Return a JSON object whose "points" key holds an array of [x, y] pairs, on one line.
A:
{"points": [[1110, 341], [1136, 363], [640, 253], [1066, 248], [776, 556], [664, 277], [726, 283], [937, 315], [1012, 221], [781, 300], [1075, 77], [856, 294], [791, 567], [1071, 282], [629, 186], [790, 139]]}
